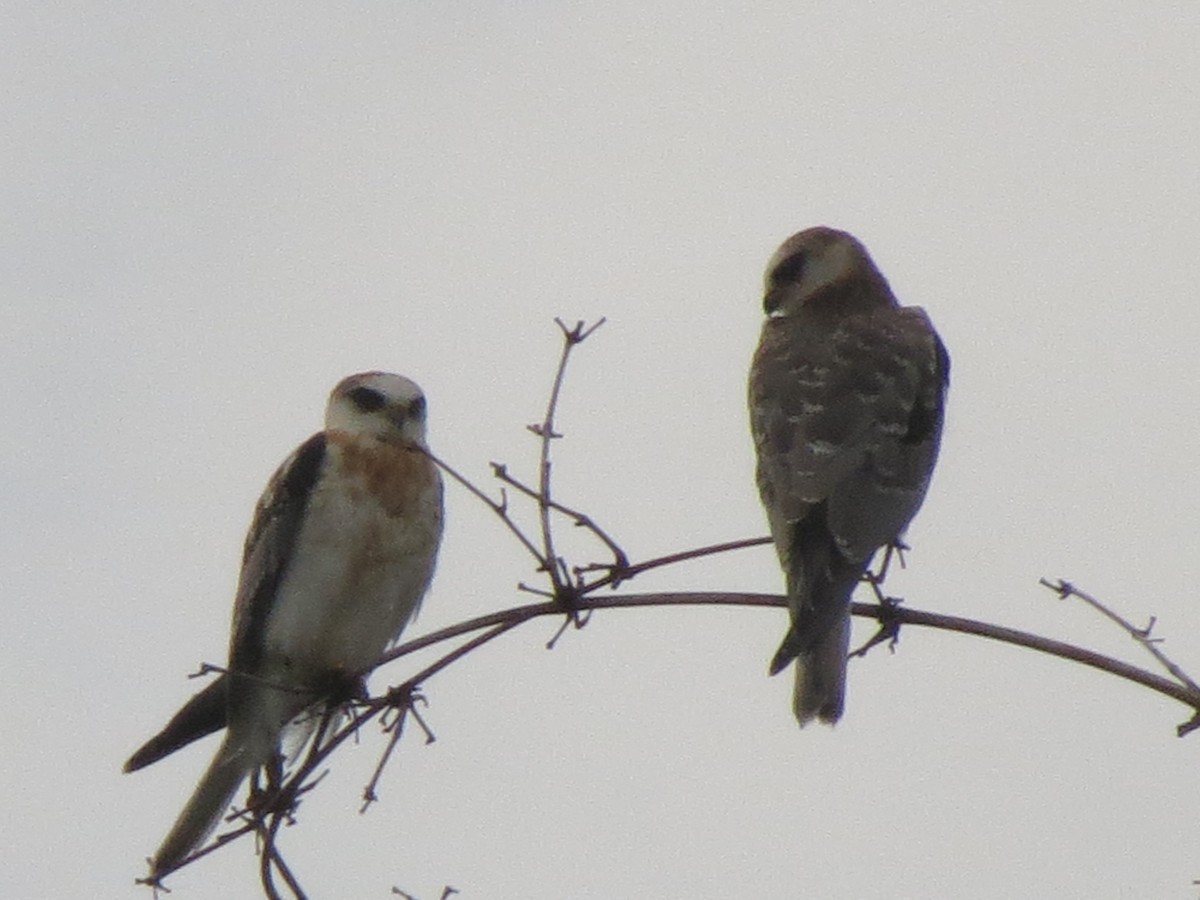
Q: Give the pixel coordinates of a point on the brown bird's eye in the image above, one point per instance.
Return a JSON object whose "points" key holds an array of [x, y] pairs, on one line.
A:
{"points": [[416, 409], [367, 399], [791, 268]]}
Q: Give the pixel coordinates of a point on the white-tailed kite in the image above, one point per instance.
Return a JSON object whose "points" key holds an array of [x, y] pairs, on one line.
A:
{"points": [[847, 390], [340, 552]]}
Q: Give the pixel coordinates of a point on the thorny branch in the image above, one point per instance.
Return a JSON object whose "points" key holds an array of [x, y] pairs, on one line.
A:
{"points": [[574, 589]]}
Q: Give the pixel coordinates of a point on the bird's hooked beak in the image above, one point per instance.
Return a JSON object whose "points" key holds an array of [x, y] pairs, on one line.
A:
{"points": [[772, 300], [407, 419], [398, 416]]}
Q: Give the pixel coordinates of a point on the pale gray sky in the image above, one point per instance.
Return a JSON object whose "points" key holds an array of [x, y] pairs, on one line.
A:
{"points": [[212, 214]]}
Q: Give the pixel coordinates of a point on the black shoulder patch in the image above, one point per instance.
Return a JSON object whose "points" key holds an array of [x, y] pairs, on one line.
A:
{"points": [[925, 419], [285, 516], [303, 473], [921, 423]]}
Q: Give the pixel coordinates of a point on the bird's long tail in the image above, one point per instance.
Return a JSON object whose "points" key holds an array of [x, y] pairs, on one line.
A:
{"points": [[820, 582], [820, 691], [233, 762]]}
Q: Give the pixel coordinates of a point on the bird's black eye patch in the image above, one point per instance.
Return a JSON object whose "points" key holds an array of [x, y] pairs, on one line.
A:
{"points": [[367, 399], [791, 268], [416, 408]]}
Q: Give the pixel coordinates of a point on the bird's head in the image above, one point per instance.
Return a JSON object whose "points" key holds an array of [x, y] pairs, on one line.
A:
{"points": [[380, 405], [816, 263]]}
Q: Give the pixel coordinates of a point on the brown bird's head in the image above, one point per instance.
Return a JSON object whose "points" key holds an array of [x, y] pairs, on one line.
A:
{"points": [[823, 268]]}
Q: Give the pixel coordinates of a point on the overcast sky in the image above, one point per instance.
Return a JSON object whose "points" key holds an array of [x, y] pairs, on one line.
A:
{"points": [[214, 212]]}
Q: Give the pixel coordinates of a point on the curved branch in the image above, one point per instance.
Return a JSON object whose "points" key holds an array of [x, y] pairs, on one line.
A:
{"points": [[903, 615], [1175, 691], [267, 820]]}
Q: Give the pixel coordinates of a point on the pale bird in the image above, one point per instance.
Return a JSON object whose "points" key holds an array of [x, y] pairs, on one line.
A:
{"points": [[339, 554]]}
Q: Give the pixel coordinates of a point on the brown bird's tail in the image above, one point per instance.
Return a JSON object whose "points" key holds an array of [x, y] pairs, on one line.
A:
{"points": [[233, 762], [820, 584], [820, 691]]}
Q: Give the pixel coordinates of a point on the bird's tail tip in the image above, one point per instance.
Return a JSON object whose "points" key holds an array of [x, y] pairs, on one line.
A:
{"points": [[820, 690], [816, 698], [203, 811]]}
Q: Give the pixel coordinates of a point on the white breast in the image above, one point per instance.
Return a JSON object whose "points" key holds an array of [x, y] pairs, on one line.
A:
{"points": [[355, 578]]}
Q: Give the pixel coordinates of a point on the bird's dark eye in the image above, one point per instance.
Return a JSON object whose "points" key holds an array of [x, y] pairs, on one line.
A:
{"points": [[367, 399], [416, 409], [791, 268]]}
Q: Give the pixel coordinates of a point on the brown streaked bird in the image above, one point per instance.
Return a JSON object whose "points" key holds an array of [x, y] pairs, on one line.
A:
{"points": [[847, 392], [339, 554]]}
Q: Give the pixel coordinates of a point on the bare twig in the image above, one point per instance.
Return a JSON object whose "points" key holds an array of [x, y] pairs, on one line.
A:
{"points": [[546, 556], [404, 703], [556, 568], [618, 575], [271, 859], [582, 520], [403, 697], [1142, 636], [1171, 689], [499, 628], [500, 508]]}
